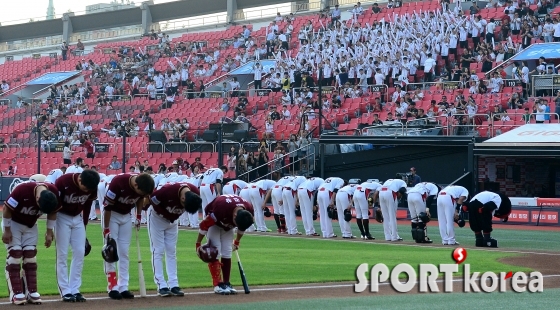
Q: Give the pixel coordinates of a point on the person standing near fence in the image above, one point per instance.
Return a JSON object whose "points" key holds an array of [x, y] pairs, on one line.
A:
{"points": [[67, 153], [293, 146]]}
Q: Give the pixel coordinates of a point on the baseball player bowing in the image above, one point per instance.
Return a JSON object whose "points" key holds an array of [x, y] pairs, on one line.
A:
{"points": [[223, 214], [389, 195], [482, 207], [362, 195], [245, 193], [78, 192], [260, 192], [307, 193], [188, 219], [325, 199], [25, 204], [421, 195], [233, 187], [125, 192], [277, 201], [211, 186], [344, 204], [168, 203], [289, 202], [446, 201]]}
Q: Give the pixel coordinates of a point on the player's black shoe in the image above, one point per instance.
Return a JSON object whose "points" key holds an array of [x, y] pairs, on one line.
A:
{"points": [[176, 291], [79, 297], [68, 298], [127, 295], [115, 295], [164, 292]]}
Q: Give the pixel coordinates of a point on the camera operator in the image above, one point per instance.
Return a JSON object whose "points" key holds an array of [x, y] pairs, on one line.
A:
{"points": [[413, 179]]}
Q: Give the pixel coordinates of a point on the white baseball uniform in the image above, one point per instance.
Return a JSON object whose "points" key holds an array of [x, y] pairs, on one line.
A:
{"points": [[276, 195], [93, 212], [192, 219], [289, 197], [306, 192], [389, 204], [208, 190], [233, 187], [258, 192], [53, 175], [324, 199], [446, 211], [360, 198], [343, 202], [102, 190], [486, 196], [74, 169], [245, 193], [417, 196]]}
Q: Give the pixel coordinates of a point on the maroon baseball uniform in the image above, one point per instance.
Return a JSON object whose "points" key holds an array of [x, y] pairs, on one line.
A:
{"points": [[121, 196], [23, 204], [74, 201], [167, 200], [221, 210]]}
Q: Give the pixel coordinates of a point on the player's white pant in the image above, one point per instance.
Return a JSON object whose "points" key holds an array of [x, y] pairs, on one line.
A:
{"points": [[257, 199], [389, 204], [221, 239], [361, 205], [343, 202], [193, 219], [207, 194], [121, 230], [323, 200], [184, 219], [163, 241], [246, 194], [276, 198], [101, 191], [69, 231], [306, 206], [289, 202], [445, 214], [92, 212], [23, 238], [416, 205], [228, 190]]}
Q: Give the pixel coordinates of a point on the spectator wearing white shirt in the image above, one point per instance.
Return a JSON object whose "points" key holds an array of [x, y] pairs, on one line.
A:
{"points": [[257, 75], [286, 98], [286, 115], [496, 82], [5, 86], [429, 68]]}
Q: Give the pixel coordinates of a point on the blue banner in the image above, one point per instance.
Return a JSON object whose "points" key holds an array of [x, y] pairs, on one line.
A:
{"points": [[547, 50], [248, 68], [52, 78]]}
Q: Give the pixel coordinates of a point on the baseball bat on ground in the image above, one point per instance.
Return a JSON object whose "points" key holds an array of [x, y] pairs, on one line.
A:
{"points": [[142, 282], [242, 273]]}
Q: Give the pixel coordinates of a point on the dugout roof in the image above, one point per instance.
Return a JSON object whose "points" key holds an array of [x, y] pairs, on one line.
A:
{"points": [[531, 140]]}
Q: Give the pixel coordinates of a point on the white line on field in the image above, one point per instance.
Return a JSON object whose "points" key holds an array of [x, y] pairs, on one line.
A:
{"points": [[269, 289]]}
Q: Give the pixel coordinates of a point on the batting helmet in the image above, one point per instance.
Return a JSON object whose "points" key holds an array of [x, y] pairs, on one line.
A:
{"points": [[423, 216], [88, 248], [460, 222], [267, 212], [208, 253], [109, 251], [347, 215], [331, 211]]}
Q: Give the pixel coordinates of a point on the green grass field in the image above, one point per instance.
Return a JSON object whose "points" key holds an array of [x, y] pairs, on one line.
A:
{"points": [[291, 260]]}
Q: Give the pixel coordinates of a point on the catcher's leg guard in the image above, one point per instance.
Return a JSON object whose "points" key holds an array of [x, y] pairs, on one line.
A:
{"points": [[13, 275], [277, 220], [216, 272], [361, 227], [30, 274], [413, 230], [423, 233], [282, 222]]}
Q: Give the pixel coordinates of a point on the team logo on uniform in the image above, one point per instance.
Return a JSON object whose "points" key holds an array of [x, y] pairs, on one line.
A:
{"points": [[15, 182]]}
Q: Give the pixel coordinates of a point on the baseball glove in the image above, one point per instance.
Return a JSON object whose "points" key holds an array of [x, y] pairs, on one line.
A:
{"points": [[109, 251], [378, 215], [88, 248]]}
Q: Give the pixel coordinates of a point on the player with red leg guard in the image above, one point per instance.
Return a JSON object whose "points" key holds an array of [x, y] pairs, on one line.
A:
{"points": [[26, 203], [223, 214]]}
